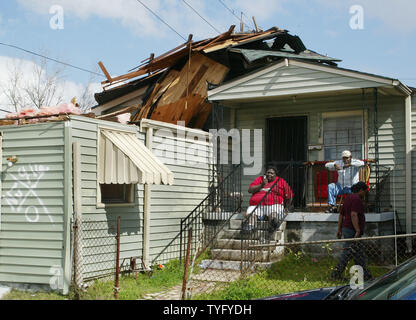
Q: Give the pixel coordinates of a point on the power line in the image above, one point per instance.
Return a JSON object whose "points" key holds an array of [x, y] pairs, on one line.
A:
{"points": [[162, 20], [232, 12], [45, 57], [201, 16]]}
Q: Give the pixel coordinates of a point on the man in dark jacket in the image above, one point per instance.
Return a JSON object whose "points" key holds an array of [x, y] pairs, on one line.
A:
{"points": [[351, 224]]}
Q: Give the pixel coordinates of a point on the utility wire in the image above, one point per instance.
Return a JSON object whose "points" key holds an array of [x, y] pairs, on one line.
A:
{"points": [[201, 16], [162, 20], [45, 57], [232, 12]]}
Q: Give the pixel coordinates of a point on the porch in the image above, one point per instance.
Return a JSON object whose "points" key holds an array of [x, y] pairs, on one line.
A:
{"points": [[309, 114]]}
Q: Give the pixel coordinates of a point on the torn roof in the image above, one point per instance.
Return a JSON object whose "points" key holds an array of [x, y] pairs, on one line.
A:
{"points": [[241, 52]]}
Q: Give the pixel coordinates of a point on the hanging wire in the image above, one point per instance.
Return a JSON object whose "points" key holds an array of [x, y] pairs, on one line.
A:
{"points": [[48, 58], [232, 12], [163, 21], [201, 16]]}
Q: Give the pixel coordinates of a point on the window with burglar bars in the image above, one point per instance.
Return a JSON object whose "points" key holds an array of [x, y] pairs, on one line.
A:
{"points": [[343, 133]]}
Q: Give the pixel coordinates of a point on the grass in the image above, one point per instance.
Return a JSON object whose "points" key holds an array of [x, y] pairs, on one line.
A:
{"points": [[295, 272], [130, 287]]}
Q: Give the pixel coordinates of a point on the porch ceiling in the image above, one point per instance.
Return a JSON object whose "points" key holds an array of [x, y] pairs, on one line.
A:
{"points": [[292, 78]]}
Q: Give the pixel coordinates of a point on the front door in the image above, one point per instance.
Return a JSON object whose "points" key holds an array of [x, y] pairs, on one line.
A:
{"points": [[286, 145]]}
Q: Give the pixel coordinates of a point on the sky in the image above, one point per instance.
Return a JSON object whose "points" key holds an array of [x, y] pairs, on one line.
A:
{"points": [[374, 36]]}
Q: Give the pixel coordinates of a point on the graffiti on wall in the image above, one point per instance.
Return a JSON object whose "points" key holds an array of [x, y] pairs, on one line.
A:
{"points": [[23, 196]]}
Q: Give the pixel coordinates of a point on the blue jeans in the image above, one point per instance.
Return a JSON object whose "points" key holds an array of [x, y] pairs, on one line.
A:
{"points": [[351, 250], [335, 189]]}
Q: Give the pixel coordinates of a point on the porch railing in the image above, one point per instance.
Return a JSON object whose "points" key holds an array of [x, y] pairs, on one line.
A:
{"points": [[317, 179], [210, 217]]}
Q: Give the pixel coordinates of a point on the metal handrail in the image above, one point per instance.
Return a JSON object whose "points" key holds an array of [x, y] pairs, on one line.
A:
{"points": [[197, 212]]}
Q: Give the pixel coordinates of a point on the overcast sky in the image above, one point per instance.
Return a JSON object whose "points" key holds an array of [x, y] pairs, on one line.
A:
{"points": [[122, 33]]}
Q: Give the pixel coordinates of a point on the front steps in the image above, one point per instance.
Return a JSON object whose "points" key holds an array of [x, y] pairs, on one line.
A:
{"points": [[226, 252]]}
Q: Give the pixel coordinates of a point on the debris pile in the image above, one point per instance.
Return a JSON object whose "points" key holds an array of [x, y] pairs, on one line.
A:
{"points": [[174, 86]]}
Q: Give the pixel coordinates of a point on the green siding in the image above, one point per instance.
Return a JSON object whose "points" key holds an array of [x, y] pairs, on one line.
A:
{"points": [[99, 261], [31, 244], [169, 204], [28, 250]]}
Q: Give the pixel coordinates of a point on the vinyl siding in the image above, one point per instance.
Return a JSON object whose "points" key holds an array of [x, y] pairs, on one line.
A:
{"points": [[169, 204], [288, 80], [101, 260], [32, 204]]}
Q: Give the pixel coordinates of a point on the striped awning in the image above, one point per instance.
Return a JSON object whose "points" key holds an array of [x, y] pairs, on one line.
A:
{"points": [[124, 159]]}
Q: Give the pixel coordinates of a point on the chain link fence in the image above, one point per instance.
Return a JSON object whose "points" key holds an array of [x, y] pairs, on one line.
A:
{"points": [[95, 248], [280, 268]]}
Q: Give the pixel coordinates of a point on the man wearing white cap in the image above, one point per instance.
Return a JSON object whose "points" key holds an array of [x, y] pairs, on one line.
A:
{"points": [[348, 175]]}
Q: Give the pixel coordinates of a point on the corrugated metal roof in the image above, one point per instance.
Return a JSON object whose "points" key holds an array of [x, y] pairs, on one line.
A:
{"points": [[124, 159]]}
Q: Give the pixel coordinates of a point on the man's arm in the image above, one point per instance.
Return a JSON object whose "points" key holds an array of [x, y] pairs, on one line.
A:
{"points": [[357, 163], [330, 165], [355, 223], [257, 188]]}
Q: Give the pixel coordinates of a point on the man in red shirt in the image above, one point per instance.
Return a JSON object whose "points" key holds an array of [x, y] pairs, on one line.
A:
{"points": [[274, 203], [351, 224]]}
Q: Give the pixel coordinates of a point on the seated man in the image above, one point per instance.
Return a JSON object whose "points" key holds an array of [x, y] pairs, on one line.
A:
{"points": [[348, 175], [273, 205]]}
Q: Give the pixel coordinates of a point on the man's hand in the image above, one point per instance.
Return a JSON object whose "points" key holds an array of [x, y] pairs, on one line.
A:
{"points": [[357, 234], [339, 234], [337, 166]]}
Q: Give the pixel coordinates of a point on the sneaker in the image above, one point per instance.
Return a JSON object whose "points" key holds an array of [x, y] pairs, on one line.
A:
{"points": [[331, 209]]}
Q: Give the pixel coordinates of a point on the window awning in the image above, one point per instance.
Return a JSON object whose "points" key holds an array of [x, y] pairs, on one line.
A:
{"points": [[124, 159]]}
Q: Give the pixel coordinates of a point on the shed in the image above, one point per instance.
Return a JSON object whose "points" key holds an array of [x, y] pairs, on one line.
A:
{"points": [[119, 176]]}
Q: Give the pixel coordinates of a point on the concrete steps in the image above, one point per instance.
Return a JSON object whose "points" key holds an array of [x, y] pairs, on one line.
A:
{"points": [[226, 253]]}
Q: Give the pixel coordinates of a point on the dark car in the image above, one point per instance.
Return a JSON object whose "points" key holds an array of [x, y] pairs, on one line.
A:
{"points": [[398, 284]]}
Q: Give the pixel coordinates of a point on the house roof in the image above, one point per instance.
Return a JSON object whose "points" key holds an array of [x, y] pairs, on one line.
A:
{"points": [[293, 76], [254, 46]]}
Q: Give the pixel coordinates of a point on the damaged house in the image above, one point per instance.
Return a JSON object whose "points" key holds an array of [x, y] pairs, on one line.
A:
{"points": [[307, 107]]}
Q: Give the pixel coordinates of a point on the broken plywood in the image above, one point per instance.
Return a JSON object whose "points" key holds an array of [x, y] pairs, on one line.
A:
{"points": [[184, 91]]}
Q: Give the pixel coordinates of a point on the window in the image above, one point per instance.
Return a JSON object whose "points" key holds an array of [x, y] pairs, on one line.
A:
{"points": [[116, 193], [343, 133]]}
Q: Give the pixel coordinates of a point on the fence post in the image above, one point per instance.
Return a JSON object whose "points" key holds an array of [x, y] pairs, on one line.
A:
{"points": [[116, 285], [186, 264], [180, 243], [77, 228]]}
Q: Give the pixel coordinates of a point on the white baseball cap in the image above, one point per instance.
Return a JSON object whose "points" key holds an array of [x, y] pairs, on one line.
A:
{"points": [[346, 154]]}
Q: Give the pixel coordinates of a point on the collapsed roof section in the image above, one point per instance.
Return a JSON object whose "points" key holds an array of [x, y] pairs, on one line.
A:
{"points": [[173, 86]]}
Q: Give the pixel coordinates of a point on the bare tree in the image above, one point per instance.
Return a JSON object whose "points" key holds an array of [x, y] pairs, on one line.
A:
{"points": [[43, 86], [33, 84], [41, 83], [86, 99], [12, 89]]}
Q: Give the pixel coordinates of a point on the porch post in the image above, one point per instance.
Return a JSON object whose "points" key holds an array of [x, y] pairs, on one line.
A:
{"points": [[408, 128], [147, 208]]}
